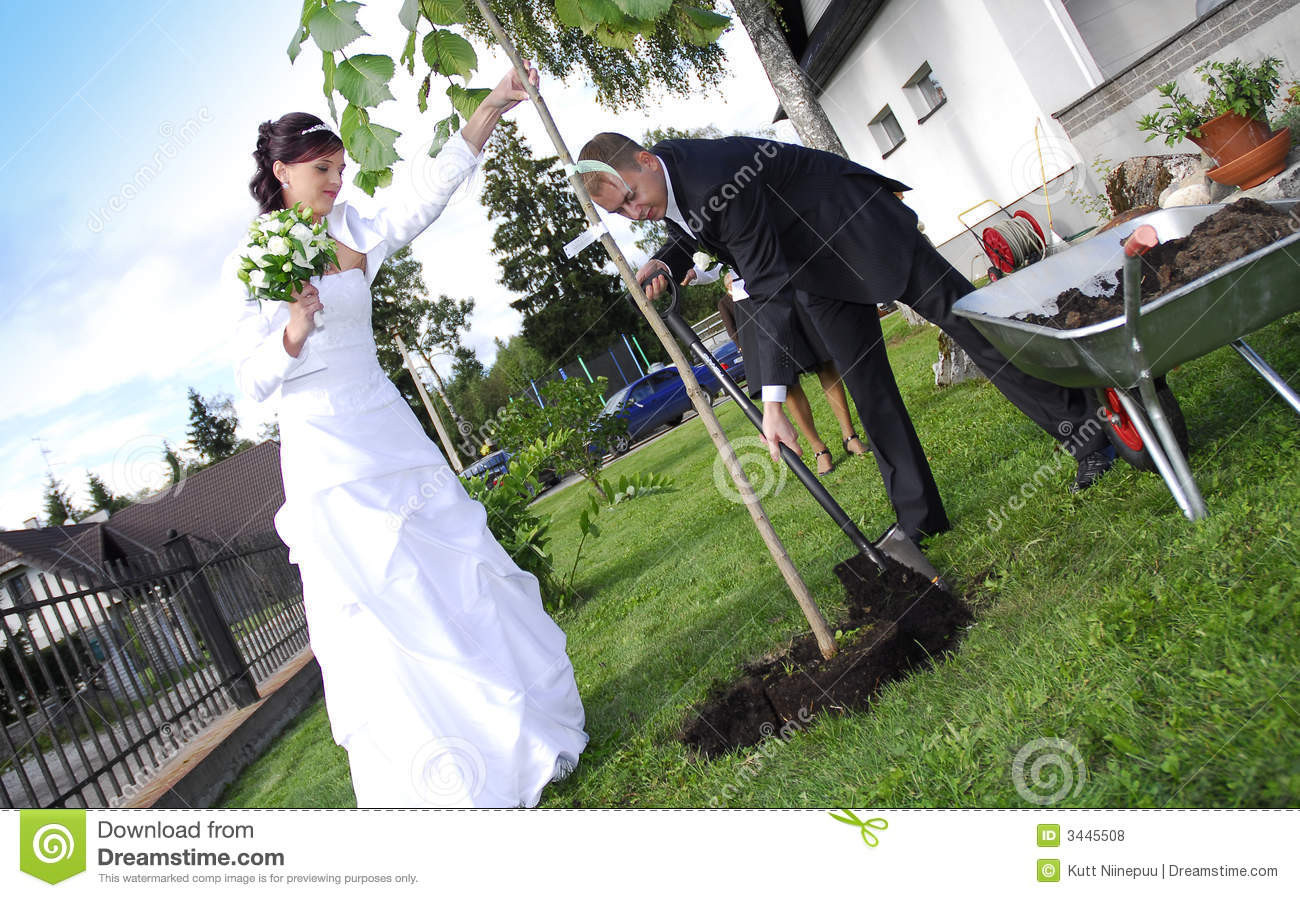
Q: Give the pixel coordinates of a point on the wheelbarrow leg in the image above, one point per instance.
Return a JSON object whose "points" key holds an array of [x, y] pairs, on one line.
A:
{"points": [[1163, 444], [1164, 451], [1274, 379]]}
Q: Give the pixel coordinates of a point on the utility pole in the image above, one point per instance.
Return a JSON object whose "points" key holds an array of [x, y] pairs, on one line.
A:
{"points": [[428, 406]]}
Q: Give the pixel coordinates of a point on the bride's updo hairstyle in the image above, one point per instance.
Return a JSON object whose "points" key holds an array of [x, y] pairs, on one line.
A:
{"points": [[283, 139]]}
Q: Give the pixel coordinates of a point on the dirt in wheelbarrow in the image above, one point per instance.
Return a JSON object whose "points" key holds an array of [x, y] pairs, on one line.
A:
{"points": [[897, 621], [1227, 235]]}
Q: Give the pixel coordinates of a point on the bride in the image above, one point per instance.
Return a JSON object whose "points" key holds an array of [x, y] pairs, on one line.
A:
{"points": [[445, 679]]}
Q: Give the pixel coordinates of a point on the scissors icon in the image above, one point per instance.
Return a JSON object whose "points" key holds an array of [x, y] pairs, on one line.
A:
{"points": [[864, 827]]}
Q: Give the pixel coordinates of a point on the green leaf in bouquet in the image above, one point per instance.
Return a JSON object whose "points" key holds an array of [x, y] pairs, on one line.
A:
{"points": [[363, 78], [409, 14], [466, 99], [335, 26], [371, 145], [369, 181], [442, 133], [449, 54], [444, 12]]}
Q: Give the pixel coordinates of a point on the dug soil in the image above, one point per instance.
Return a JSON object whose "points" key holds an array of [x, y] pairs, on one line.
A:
{"points": [[897, 621], [1227, 235]]}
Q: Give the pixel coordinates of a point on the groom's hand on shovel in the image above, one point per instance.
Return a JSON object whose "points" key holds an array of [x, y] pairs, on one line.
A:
{"points": [[777, 429], [657, 269]]}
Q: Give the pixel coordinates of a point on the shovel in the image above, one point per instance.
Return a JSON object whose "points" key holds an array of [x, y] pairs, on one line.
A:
{"points": [[894, 544]]}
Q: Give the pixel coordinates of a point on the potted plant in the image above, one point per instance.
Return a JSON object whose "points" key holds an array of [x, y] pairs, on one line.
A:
{"points": [[1231, 125]]}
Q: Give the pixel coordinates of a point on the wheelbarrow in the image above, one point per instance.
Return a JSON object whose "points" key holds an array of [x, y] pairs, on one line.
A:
{"points": [[894, 543], [1125, 358]]}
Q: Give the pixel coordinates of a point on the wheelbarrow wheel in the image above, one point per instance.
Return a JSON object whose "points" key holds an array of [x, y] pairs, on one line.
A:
{"points": [[1124, 435]]}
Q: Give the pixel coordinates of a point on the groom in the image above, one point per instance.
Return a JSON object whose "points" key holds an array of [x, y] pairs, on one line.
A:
{"points": [[808, 227]]}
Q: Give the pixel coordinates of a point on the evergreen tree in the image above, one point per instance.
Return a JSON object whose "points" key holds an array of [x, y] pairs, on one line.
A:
{"points": [[570, 307], [212, 428], [101, 497], [58, 503], [400, 305]]}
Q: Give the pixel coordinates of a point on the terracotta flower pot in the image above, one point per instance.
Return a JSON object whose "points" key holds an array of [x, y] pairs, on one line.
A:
{"points": [[1254, 168], [1228, 136]]}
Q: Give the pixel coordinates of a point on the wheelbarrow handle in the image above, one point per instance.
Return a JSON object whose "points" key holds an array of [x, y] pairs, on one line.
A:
{"points": [[687, 335], [1141, 240]]}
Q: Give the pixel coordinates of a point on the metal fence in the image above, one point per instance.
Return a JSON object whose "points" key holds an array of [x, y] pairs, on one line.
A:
{"points": [[625, 361], [106, 677]]}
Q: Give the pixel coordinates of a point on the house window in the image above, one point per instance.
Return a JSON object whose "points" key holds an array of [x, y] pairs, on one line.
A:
{"points": [[887, 132], [16, 590], [924, 92]]}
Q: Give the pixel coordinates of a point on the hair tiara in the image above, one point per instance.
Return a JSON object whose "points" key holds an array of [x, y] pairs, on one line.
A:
{"points": [[319, 126]]}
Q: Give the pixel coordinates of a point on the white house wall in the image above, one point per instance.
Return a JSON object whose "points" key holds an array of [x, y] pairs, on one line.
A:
{"points": [[980, 144], [1119, 32], [1116, 137]]}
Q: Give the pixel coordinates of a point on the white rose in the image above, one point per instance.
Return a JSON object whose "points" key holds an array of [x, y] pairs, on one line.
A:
{"points": [[277, 246], [300, 260], [257, 278], [312, 250], [301, 232], [256, 254]]}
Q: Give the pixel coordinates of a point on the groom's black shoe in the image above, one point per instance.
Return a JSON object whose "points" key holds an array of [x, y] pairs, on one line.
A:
{"points": [[1091, 467]]}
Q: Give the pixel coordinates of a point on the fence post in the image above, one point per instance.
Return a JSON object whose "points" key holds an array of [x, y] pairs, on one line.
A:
{"points": [[216, 632]]}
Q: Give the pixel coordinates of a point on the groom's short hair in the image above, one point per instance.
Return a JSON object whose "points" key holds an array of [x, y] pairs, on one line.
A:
{"points": [[615, 150]]}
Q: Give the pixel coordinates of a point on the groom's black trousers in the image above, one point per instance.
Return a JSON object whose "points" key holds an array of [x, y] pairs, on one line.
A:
{"points": [[851, 331]]}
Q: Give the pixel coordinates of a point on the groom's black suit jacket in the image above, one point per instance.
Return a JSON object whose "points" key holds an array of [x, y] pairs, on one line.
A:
{"points": [[787, 218]]}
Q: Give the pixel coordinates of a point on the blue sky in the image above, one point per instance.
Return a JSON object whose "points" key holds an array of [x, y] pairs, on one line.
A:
{"points": [[125, 167]]}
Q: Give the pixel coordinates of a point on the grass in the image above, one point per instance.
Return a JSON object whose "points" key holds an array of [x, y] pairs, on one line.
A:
{"points": [[1163, 651]]}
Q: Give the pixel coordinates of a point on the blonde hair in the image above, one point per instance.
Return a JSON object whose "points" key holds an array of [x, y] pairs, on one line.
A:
{"points": [[615, 150]]}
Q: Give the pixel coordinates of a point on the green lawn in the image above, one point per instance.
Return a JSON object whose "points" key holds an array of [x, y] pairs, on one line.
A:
{"points": [[1164, 651]]}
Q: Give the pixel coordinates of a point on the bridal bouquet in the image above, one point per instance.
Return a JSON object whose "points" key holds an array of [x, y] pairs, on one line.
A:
{"points": [[285, 249]]}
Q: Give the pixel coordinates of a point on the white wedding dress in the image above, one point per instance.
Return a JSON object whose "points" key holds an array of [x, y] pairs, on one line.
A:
{"points": [[445, 680]]}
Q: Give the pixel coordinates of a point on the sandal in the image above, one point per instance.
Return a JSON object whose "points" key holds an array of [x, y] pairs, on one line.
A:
{"points": [[817, 455], [854, 436]]}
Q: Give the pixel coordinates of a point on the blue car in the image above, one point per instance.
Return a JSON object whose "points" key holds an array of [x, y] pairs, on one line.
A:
{"points": [[493, 466], [659, 399]]}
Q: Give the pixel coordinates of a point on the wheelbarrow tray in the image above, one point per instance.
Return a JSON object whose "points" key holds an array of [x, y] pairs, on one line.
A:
{"points": [[1183, 324]]}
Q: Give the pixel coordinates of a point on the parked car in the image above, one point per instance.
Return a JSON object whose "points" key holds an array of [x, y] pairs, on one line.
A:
{"points": [[659, 399], [492, 466]]}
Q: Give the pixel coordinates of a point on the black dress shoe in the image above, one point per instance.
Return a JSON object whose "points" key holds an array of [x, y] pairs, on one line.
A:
{"points": [[1091, 467]]}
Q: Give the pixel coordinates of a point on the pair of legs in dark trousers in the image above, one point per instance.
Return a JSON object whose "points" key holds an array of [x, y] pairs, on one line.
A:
{"points": [[851, 331]]}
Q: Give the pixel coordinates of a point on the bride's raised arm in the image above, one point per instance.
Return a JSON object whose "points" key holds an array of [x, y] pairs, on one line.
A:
{"points": [[405, 217]]}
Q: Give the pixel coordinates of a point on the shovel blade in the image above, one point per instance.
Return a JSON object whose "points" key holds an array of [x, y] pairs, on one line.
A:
{"points": [[897, 545]]}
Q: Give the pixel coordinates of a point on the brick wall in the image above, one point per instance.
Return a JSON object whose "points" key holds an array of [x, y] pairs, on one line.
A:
{"points": [[1174, 57]]}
